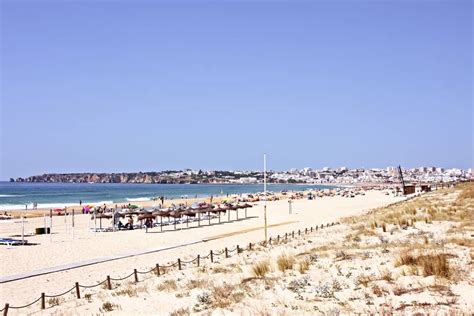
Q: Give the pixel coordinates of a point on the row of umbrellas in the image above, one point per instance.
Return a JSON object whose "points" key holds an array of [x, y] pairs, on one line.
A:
{"points": [[179, 213]]}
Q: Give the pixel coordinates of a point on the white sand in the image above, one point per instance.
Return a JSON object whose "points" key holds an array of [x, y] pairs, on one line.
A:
{"points": [[63, 249]]}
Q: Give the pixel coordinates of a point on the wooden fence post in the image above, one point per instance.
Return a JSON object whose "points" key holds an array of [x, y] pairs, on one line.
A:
{"points": [[109, 284], [238, 249], [311, 228], [306, 230], [286, 236], [179, 264], [278, 239], [250, 246], [299, 232], [198, 259], [293, 234], [157, 269], [78, 291], [5, 310], [135, 274], [43, 301], [226, 253], [212, 257], [270, 240]]}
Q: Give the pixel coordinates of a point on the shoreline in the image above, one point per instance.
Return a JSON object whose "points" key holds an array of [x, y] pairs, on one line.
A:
{"points": [[150, 202]]}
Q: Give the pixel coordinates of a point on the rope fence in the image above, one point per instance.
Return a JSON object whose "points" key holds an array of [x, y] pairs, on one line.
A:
{"points": [[161, 269]]}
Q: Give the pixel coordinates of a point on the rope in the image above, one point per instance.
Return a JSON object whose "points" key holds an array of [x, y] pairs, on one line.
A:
{"points": [[217, 253], [61, 293], [122, 278], [146, 272], [189, 261], [91, 286], [18, 307]]}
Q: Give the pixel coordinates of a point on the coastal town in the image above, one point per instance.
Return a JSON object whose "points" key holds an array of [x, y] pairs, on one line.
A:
{"points": [[308, 175]]}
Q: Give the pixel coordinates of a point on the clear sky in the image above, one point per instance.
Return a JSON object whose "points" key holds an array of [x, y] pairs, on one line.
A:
{"points": [[116, 86]]}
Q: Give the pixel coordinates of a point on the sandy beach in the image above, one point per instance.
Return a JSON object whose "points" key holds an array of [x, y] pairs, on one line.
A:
{"points": [[63, 247]]}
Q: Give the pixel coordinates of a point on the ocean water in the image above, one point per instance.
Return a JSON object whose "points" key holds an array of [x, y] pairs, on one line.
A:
{"points": [[15, 195]]}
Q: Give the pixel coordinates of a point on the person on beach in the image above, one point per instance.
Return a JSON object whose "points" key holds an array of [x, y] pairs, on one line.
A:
{"points": [[80, 202], [149, 223], [129, 225], [211, 198]]}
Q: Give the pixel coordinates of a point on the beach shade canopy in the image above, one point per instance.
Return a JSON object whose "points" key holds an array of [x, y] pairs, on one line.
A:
{"points": [[189, 212], [162, 213], [203, 210], [146, 216], [218, 210], [175, 214], [133, 207]]}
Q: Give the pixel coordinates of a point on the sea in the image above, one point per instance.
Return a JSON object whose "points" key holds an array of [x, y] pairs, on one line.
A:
{"points": [[16, 195]]}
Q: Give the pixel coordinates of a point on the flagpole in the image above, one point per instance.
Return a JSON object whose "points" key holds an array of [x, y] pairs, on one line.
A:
{"points": [[265, 194]]}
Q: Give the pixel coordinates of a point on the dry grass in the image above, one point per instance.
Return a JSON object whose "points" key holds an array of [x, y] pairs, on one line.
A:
{"points": [[464, 242], [303, 265], [131, 291], [54, 301], [399, 290], [386, 275], [181, 312], [285, 262], [168, 285], [197, 283], [467, 192], [430, 264], [108, 307], [221, 269], [365, 280], [377, 290], [260, 269], [225, 295]]}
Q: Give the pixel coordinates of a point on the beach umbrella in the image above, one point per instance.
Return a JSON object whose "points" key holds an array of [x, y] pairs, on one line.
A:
{"points": [[218, 210], [246, 205], [161, 214], [240, 207], [189, 213], [229, 208], [101, 216], [175, 214], [146, 216]]}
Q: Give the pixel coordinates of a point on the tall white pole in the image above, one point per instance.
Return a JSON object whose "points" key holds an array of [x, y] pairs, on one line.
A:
{"points": [[265, 194], [23, 230]]}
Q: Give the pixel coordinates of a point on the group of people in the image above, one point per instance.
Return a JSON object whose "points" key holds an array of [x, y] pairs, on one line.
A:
{"points": [[35, 206], [120, 225]]}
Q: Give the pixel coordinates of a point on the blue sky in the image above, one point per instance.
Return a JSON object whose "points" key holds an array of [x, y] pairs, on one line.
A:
{"points": [[117, 86]]}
